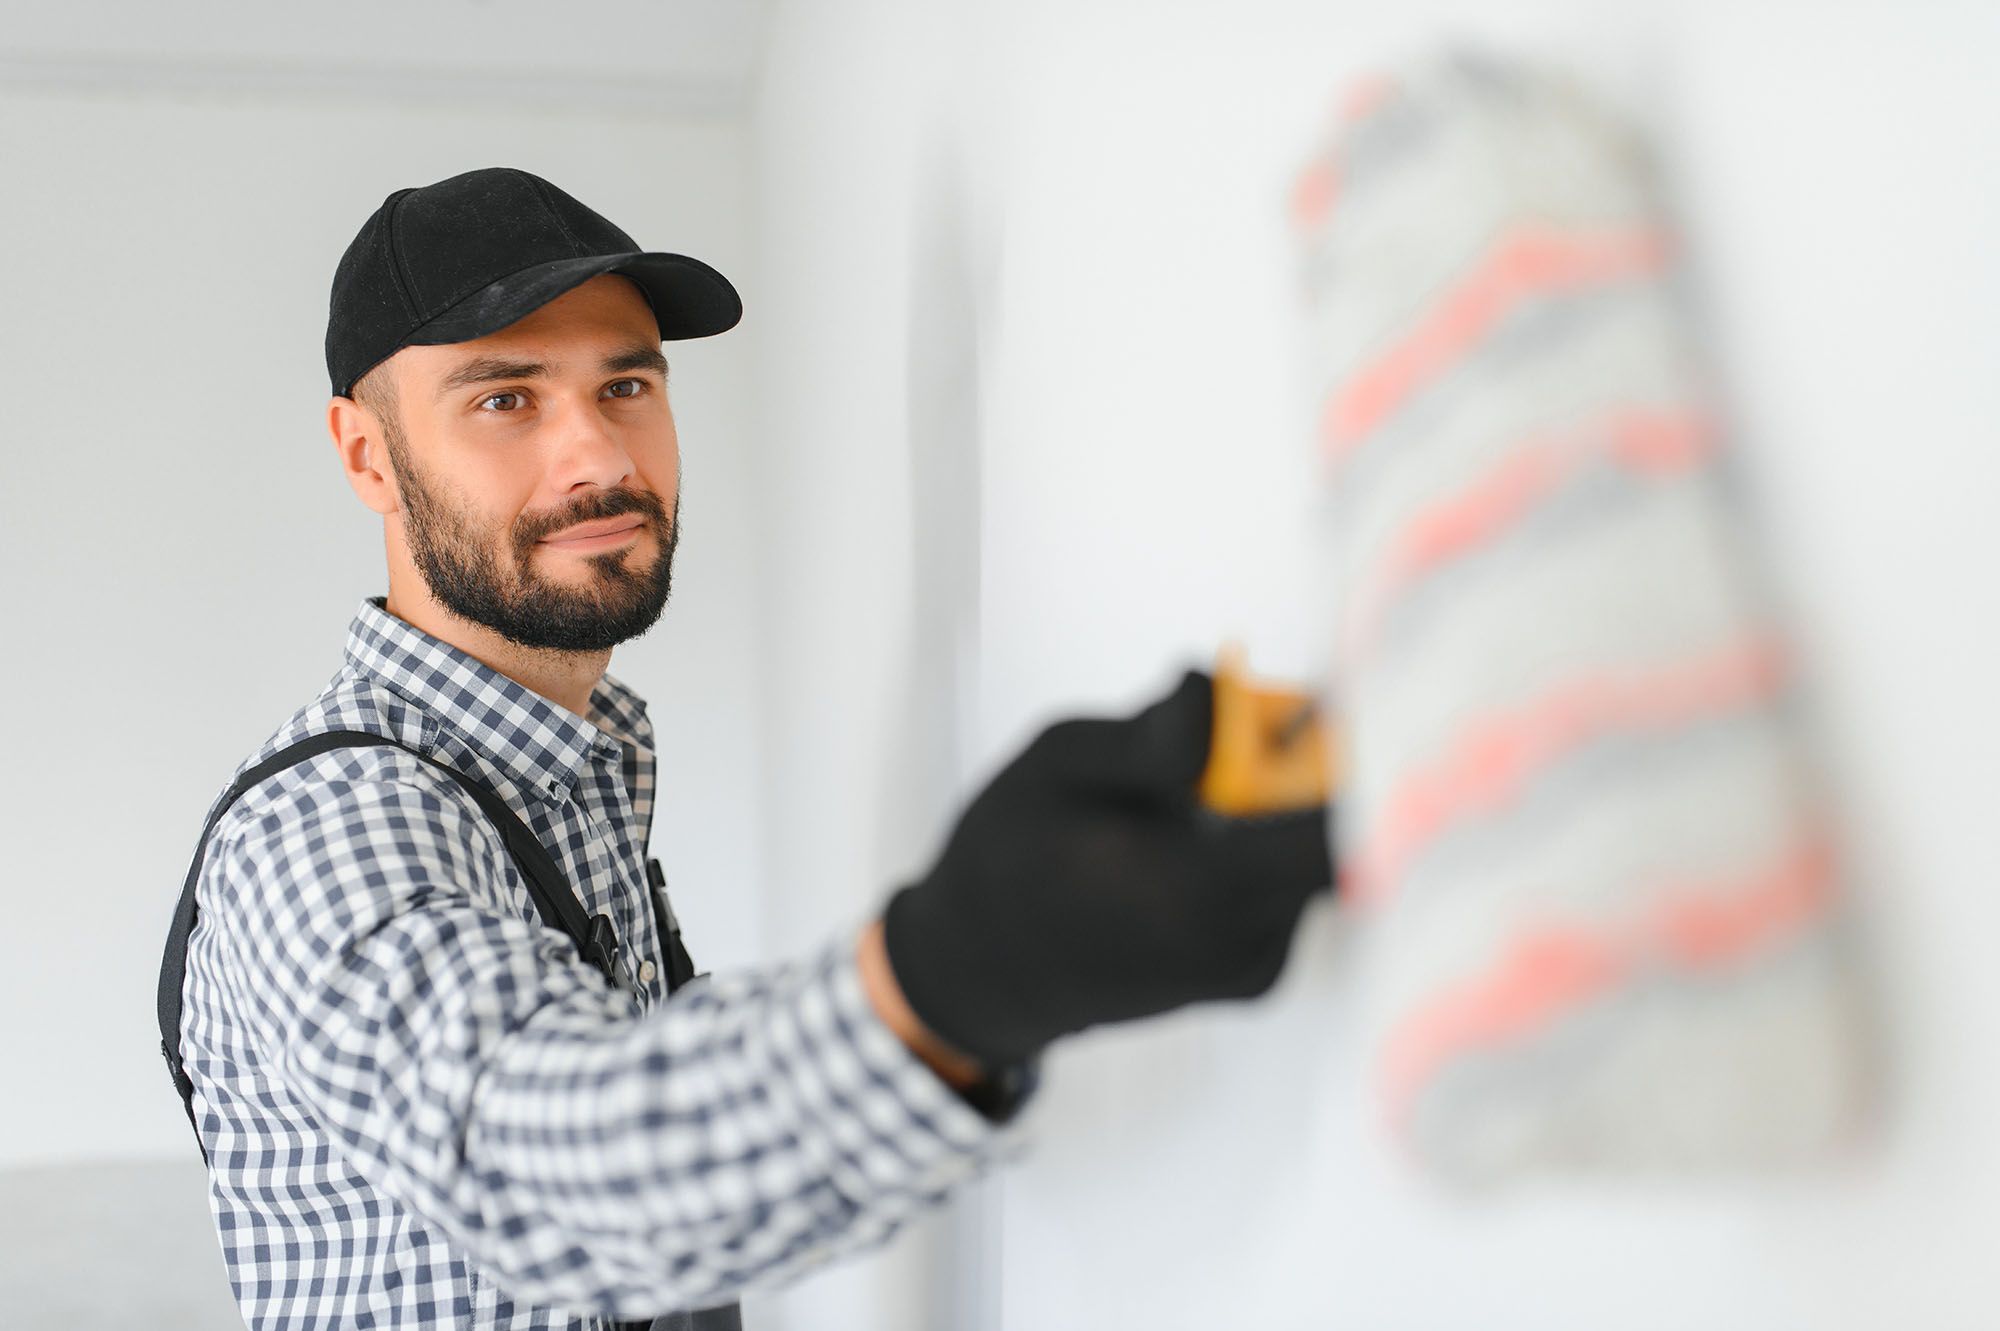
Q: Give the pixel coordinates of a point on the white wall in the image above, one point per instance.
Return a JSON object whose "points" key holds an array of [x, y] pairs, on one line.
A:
{"points": [[182, 554], [1142, 443], [870, 535]]}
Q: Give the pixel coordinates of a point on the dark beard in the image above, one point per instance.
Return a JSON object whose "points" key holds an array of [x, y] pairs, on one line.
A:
{"points": [[615, 605]]}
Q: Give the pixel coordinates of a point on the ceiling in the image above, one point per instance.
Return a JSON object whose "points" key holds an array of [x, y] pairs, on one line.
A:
{"points": [[683, 56]]}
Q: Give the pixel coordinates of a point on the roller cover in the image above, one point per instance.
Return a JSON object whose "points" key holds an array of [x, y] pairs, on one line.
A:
{"points": [[1600, 893]]}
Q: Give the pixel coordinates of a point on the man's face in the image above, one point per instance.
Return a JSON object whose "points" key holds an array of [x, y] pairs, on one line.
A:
{"points": [[507, 441]]}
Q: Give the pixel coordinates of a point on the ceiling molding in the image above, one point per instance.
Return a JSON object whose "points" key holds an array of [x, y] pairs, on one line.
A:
{"points": [[678, 97]]}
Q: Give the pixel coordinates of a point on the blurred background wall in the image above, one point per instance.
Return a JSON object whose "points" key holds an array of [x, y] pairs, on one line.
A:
{"points": [[1015, 426], [185, 555]]}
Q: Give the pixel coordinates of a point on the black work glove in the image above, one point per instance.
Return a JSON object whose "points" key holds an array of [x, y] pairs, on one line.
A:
{"points": [[1086, 884]]}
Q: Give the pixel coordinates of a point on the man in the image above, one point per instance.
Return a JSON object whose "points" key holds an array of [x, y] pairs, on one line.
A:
{"points": [[420, 1103]]}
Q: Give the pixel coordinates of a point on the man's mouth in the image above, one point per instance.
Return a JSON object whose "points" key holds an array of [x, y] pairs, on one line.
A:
{"points": [[596, 535]]}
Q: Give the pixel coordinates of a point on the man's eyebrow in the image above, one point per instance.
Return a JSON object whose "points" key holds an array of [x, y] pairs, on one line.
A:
{"points": [[638, 356], [486, 369]]}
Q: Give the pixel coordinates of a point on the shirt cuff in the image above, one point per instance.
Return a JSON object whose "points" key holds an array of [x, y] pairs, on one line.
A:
{"points": [[888, 1116]]}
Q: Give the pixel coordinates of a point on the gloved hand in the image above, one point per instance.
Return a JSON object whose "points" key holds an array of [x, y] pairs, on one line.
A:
{"points": [[1086, 884]]}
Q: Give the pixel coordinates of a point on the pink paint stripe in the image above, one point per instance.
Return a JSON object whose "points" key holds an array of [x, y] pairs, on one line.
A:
{"points": [[1318, 185], [1313, 195], [1494, 760], [1529, 262], [1365, 96], [1551, 972], [1460, 525]]}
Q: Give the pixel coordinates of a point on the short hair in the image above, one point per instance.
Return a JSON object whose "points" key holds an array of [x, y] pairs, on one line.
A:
{"points": [[376, 390]]}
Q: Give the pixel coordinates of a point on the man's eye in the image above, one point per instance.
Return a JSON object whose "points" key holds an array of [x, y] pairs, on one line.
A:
{"points": [[496, 397], [637, 386]]}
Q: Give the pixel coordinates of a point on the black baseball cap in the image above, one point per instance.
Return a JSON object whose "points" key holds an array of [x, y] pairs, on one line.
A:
{"points": [[469, 255]]}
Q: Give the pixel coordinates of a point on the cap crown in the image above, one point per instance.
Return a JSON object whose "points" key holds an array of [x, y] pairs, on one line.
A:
{"points": [[425, 249]]}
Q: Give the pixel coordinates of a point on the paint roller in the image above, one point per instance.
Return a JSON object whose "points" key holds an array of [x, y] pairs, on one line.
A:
{"points": [[1599, 894]]}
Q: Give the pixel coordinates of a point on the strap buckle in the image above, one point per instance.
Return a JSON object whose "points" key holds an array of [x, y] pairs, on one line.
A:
{"points": [[600, 949]]}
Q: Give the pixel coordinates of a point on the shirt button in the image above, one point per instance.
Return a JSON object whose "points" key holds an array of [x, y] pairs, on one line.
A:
{"points": [[647, 971]]}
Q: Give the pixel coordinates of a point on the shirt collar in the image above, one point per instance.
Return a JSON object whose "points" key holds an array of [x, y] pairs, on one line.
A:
{"points": [[540, 744]]}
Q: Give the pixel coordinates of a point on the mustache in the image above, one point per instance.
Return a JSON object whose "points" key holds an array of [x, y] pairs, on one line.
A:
{"points": [[604, 504]]}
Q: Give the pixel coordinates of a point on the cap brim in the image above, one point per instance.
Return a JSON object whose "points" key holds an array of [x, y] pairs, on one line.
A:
{"points": [[689, 298]]}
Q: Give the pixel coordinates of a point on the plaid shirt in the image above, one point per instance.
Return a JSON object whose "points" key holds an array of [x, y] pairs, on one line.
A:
{"points": [[422, 1107]]}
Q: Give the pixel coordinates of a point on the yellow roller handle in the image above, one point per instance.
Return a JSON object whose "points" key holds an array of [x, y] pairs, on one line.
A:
{"points": [[1270, 751]]}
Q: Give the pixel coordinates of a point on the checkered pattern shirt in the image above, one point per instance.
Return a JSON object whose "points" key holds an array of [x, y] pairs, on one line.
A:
{"points": [[422, 1108]]}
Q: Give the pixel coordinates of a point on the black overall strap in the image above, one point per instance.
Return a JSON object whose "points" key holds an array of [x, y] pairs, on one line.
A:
{"points": [[680, 966], [551, 891]]}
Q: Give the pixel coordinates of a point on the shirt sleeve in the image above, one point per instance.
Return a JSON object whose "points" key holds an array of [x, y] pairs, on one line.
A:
{"points": [[584, 1154]]}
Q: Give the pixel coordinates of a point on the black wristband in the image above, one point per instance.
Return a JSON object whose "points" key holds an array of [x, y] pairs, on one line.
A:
{"points": [[1000, 1094]]}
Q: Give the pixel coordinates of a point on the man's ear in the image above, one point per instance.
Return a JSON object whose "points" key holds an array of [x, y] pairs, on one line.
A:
{"points": [[364, 456]]}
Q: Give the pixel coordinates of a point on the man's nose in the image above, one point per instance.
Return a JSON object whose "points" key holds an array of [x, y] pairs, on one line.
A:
{"points": [[588, 448]]}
